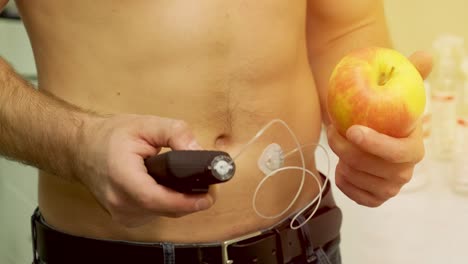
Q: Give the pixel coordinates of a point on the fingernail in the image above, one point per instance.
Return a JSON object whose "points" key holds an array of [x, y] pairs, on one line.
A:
{"points": [[202, 204], [194, 146], [355, 135]]}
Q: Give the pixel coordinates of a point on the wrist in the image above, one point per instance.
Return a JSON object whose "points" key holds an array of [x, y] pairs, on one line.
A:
{"points": [[87, 125]]}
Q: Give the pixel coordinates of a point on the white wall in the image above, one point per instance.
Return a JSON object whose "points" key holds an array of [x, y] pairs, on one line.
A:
{"points": [[17, 201], [415, 23]]}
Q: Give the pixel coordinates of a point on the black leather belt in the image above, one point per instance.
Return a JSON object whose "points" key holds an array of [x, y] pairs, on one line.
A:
{"points": [[277, 245]]}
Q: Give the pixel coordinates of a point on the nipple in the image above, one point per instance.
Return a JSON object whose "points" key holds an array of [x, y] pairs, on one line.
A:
{"points": [[271, 159]]}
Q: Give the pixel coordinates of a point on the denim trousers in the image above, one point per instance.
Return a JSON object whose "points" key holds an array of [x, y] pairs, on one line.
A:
{"points": [[329, 254]]}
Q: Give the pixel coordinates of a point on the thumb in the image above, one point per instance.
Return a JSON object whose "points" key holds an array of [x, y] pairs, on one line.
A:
{"points": [[423, 62], [172, 133]]}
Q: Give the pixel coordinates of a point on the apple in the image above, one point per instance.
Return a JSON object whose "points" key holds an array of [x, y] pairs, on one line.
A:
{"points": [[378, 88]]}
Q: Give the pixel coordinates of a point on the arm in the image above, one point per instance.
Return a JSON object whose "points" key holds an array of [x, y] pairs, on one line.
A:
{"points": [[334, 28], [105, 153], [36, 128], [372, 167]]}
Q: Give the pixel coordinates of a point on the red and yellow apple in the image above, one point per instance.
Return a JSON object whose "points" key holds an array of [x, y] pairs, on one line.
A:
{"points": [[378, 88]]}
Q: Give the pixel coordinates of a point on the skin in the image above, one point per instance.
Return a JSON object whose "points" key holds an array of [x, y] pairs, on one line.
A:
{"points": [[198, 82]]}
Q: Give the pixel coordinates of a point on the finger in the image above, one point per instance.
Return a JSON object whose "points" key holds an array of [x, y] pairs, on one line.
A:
{"points": [[381, 188], [160, 200], [144, 190], [164, 201], [145, 150], [172, 133], [357, 159], [394, 150], [423, 62], [354, 156], [356, 194]]}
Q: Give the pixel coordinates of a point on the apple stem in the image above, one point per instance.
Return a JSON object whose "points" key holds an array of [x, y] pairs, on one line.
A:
{"points": [[385, 77]]}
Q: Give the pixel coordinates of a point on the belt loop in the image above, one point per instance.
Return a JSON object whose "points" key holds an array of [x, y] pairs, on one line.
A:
{"points": [[169, 253], [306, 239], [279, 248], [34, 217]]}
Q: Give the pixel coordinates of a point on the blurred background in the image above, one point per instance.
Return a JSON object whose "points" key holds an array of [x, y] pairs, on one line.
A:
{"points": [[427, 223]]}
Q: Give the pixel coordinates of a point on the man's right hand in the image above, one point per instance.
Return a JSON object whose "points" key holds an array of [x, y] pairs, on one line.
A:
{"points": [[105, 153], [110, 162]]}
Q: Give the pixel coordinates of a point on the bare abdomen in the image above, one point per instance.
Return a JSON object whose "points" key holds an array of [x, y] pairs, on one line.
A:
{"points": [[226, 70]]}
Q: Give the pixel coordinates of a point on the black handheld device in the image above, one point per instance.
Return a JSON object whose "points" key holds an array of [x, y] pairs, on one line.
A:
{"points": [[191, 171]]}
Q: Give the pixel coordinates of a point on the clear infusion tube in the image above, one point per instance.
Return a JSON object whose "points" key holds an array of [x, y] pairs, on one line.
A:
{"points": [[302, 169]]}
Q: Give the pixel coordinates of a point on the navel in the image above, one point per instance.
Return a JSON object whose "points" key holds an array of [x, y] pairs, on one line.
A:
{"points": [[222, 141]]}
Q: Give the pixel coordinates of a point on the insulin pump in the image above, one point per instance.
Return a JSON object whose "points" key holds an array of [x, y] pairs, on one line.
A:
{"points": [[191, 171]]}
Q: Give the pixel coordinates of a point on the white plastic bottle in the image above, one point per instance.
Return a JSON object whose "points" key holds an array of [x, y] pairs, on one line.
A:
{"points": [[445, 81], [460, 183]]}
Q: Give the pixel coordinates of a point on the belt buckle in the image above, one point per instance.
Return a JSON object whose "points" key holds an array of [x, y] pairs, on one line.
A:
{"points": [[227, 243]]}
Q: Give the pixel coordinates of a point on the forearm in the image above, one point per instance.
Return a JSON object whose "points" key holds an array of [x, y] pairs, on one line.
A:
{"points": [[38, 129], [333, 34]]}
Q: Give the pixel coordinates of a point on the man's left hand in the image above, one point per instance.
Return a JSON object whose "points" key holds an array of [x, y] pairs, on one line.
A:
{"points": [[373, 167]]}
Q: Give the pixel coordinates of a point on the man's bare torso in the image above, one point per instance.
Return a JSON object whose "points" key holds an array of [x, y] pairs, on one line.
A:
{"points": [[225, 67]]}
